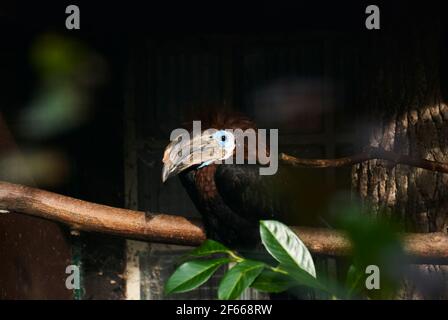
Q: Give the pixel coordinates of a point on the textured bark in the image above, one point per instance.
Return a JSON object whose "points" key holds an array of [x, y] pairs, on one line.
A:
{"points": [[86, 216], [408, 116]]}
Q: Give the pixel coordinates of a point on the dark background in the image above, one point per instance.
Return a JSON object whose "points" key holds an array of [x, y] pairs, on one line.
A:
{"points": [[33, 252]]}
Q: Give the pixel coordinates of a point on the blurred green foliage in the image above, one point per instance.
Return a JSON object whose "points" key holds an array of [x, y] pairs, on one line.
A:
{"points": [[67, 71], [66, 74], [375, 241], [55, 56]]}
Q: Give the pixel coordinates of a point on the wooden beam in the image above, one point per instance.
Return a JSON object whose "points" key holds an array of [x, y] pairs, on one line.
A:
{"points": [[86, 216]]}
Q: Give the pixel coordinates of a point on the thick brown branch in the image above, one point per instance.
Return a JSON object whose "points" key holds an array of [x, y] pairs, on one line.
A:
{"points": [[368, 154], [87, 216]]}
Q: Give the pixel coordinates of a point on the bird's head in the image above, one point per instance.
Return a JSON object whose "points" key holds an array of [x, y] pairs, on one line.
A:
{"points": [[217, 143], [200, 150]]}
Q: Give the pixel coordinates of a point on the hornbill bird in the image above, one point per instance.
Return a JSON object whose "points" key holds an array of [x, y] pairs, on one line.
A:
{"points": [[232, 198]]}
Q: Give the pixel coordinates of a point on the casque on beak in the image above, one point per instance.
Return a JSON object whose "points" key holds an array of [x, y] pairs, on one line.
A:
{"points": [[184, 152]]}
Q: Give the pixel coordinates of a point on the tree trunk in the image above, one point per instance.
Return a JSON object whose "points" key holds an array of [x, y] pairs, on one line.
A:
{"points": [[407, 114]]}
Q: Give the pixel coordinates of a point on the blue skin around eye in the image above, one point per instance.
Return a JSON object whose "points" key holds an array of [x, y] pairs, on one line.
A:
{"points": [[217, 136]]}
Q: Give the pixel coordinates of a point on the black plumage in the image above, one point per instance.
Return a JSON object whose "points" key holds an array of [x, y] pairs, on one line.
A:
{"points": [[233, 198]]}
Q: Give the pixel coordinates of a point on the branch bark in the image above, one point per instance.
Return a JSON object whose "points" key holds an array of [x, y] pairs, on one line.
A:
{"points": [[369, 153], [86, 216]]}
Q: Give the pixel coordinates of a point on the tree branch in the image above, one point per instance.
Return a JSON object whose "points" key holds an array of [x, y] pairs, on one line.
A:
{"points": [[369, 153], [87, 216]]}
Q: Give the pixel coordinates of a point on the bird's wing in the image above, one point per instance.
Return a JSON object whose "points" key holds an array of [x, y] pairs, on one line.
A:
{"points": [[252, 195]]}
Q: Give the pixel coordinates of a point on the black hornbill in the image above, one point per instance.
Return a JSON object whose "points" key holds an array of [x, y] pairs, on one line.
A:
{"points": [[232, 198]]}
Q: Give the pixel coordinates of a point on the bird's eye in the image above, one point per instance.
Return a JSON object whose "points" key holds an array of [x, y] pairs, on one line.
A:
{"points": [[223, 138]]}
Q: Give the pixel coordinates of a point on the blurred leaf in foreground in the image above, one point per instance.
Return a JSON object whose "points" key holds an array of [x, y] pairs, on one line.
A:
{"points": [[376, 242]]}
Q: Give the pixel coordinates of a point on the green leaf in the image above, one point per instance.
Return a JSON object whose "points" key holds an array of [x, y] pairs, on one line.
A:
{"points": [[270, 281], [192, 274], [209, 247], [323, 284], [238, 278], [354, 278], [303, 278], [285, 246]]}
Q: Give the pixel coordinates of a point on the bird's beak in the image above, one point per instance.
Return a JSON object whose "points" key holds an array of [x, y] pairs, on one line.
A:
{"points": [[184, 152]]}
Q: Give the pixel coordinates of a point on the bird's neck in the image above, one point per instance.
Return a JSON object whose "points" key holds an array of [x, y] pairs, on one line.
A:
{"points": [[205, 181]]}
